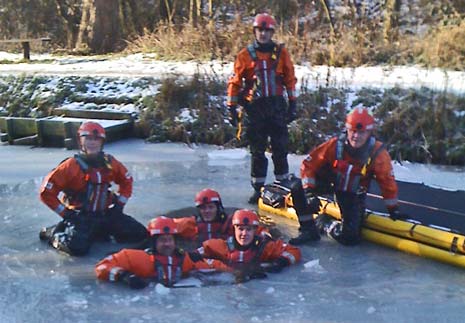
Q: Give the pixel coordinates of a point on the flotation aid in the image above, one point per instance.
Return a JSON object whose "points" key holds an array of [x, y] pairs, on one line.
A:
{"points": [[434, 242]]}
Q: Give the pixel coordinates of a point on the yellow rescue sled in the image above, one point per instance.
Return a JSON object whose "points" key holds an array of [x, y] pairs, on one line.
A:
{"points": [[438, 243]]}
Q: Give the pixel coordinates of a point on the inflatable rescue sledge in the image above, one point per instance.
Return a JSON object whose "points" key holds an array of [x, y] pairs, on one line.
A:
{"points": [[431, 231]]}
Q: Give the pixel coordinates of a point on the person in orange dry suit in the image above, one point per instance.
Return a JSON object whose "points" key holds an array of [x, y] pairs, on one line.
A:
{"points": [[248, 254], [263, 78], [345, 165], [163, 262], [211, 221], [78, 190]]}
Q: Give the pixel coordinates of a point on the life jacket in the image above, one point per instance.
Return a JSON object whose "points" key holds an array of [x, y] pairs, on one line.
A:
{"points": [[239, 259], [348, 176], [168, 269], [97, 196], [217, 229], [266, 82]]}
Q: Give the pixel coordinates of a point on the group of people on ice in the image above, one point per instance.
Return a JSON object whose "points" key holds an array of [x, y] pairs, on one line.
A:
{"points": [[78, 189]]}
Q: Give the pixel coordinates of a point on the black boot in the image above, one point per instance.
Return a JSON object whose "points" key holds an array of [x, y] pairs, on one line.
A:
{"points": [[308, 233], [253, 199], [46, 233], [323, 223]]}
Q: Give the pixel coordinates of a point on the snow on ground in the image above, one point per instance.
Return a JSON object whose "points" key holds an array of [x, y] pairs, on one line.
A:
{"points": [[141, 65]]}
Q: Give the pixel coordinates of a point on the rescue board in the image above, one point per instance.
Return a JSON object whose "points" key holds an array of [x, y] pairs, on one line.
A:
{"points": [[429, 240]]}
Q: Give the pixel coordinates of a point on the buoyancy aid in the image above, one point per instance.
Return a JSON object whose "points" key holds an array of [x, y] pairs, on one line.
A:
{"points": [[266, 82], [96, 197], [168, 269], [239, 258], [348, 176], [213, 230]]}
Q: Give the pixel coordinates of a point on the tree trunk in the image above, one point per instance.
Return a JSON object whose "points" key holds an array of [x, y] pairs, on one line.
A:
{"points": [[100, 28], [391, 20], [71, 21]]}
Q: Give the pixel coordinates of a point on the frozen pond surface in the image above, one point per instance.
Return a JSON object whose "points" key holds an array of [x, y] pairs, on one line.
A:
{"points": [[367, 283]]}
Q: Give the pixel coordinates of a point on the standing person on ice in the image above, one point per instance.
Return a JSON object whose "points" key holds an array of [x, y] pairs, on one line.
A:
{"points": [[263, 72], [163, 262], [346, 164], [247, 253], [88, 208]]}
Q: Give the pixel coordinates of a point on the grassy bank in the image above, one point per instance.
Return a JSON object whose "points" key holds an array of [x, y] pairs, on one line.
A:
{"points": [[418, 125]]}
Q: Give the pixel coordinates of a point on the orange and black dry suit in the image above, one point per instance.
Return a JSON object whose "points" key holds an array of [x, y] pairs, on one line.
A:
{"points": [[83, 184], [248, 258], [195, 228], [263, 73], [145, 264], [349, 172]]}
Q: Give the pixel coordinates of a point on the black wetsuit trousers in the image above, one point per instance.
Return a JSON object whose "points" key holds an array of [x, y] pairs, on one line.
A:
{"points": [[266, 119], [76, 236]]}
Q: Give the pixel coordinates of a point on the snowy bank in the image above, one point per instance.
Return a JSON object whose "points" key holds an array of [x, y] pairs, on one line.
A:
{"points": [[144, 65]]}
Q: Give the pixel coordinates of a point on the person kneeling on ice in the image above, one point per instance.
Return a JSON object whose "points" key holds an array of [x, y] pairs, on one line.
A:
{"points": [[346, 165], [211, 221], [248, 254], [163, 262], [89, 209]]}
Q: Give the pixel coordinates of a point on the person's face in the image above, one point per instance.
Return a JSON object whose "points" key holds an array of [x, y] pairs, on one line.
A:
{"points": [[244, 234], [263, 35], [208, 211], [91, 145], [165, 245], [357, 138]]}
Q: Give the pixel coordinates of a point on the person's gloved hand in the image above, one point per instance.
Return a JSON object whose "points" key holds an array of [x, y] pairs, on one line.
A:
{"points": [[291, 111], [233, 116], [132, 280], [70, 214], [313, 202], [276, 266], [242, 276], [195, 256], [395, 214]]}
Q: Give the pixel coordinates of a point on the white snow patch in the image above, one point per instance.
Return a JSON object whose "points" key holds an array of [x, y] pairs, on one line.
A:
{"points": [[76, 301], [143, 65], [227, 157], [314, 266], [161, 290], [269, 290]]}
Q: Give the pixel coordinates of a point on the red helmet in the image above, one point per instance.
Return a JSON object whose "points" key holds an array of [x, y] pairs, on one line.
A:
{"points": [[207, 195], [162, 225], [265, 21], [245, 217], [90, 128], [360, 119]]}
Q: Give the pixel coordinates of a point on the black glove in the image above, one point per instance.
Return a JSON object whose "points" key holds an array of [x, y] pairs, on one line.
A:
{"points": [[291, 111], [69, 215], [313, 202], [233, 117], [395, 214], [133, 281], [276, 266], [242, 276], [195, 256], [117, 209]]}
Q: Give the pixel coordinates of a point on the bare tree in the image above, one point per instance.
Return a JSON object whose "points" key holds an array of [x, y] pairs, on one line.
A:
{"points": [[100, 27], [69, 12]]}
